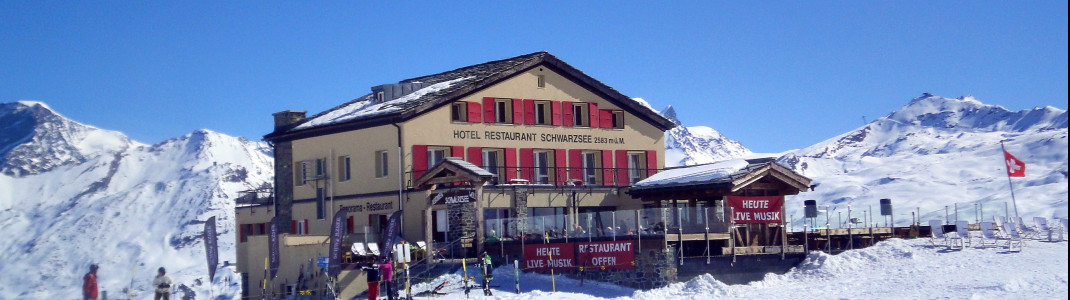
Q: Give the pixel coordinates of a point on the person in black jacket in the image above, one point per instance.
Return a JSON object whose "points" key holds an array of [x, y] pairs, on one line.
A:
{"points": [[372, 271]]}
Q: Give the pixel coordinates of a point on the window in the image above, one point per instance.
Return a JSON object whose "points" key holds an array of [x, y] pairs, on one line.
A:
{"points": [[344, 168], [636, 163], [590, 166], [321, 205], [579, 115], [436, 155], [379, 97], [618, 119], [503, 111], [459, 112], [381, 164], [541, 81], [492, 162], [301, 173], [497, 223], [542, 112], [543, 163], [308, 170]]}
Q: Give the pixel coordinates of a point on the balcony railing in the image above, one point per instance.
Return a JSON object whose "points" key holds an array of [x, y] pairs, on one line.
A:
{"points": [[560, 176], [609, 224]]}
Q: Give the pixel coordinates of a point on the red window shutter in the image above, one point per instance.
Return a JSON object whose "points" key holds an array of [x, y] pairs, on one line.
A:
{"points": [[510, 164], [607, 168], [419, 160], [306, 227], [527, 156], [559, 166], [293, 226], [529, 112], [488, 109], [566, 113], [575, 163], [475, 156], [457, 151], [241, 234], [263, 228], [474, 112], [555, 113], [622, 167], [349, 225], [651, 162], [592, 114], [518, 111], [605, 118]]}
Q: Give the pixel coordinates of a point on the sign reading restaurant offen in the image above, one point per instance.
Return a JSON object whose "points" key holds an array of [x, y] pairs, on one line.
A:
{"points": [[605, 254], [756, 209]]}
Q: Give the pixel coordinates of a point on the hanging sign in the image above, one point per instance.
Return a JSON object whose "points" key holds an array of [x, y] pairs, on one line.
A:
{"points": [[454, 197], [756, 209], [540, 257], [608, 254]]}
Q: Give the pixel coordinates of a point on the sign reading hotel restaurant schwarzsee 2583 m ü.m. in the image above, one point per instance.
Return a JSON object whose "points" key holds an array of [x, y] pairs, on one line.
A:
{"points": [[757, 209], [532, 137]]}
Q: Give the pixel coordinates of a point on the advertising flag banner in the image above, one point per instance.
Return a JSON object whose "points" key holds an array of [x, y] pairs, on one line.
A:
{"points": [[273, 246], [542, 257], [211, 247], [756, 209], [390, 234], [608, 254], [338, 228], [1015, 167]]}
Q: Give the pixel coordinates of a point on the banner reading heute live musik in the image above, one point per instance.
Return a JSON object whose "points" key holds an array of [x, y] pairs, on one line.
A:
{"points": [[211, 247], [756, 209], [334, 261]]}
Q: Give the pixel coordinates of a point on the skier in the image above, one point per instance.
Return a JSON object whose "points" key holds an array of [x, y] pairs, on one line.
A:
{"points": [[89, 283], [387, 267], [488, 274], [373, 280], [163, 285]]}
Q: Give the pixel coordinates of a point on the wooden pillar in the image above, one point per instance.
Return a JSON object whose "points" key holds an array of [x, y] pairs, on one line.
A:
{"points": [[428, 228]]}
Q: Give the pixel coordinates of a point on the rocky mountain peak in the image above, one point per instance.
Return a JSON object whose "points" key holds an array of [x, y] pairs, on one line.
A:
{"points": [[36, 139], [670, 113]]}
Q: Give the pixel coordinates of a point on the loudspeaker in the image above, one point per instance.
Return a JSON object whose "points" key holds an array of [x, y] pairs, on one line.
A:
{"points": [[811, 208], [886, 207]]}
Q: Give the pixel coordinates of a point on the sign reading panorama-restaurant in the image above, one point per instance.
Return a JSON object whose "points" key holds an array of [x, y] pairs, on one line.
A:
{"points": [[535, 137]]}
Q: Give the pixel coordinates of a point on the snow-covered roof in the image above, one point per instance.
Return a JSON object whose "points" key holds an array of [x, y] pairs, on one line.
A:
{"points": [[445, 87], [707, 173], [732, 174]]}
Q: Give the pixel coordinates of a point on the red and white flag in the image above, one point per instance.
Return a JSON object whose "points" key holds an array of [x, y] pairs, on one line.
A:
{"points": [[1015, 167]]}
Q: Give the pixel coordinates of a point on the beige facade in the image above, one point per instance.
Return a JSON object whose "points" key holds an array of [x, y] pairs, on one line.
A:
{"points": [[371, 194]]}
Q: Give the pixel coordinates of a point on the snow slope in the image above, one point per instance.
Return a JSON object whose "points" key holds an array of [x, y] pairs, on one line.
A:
{"points": [[894, 269], [77, 195], [935, 152]]}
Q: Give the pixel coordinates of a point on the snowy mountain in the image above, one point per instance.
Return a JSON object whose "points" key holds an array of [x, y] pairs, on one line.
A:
{"points": [[935, 152], [72, 194], [692, 145]]}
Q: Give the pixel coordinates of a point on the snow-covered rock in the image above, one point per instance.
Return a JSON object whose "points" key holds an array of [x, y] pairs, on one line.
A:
{"points": [[935, 152], [692, 145], [73, 195]]}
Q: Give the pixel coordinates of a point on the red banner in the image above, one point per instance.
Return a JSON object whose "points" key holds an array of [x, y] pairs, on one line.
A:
{"points": [[608, 254], [540, 257], [759, 209]]}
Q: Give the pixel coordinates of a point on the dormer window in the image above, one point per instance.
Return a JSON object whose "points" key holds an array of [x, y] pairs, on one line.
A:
{"points": [[379, 97]]}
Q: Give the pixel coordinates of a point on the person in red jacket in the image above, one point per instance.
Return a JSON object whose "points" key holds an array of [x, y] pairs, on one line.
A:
{"points": [[89, 283]]}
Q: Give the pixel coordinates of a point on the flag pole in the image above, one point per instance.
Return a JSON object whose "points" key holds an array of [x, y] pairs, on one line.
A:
{"points": [[1009, 182]]}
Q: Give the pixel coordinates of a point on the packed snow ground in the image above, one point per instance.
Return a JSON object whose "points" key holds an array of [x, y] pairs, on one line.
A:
{"points": [[901, 269]]}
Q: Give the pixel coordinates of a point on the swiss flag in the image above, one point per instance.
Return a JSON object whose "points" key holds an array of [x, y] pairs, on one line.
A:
{"points": [[1015, 167]]}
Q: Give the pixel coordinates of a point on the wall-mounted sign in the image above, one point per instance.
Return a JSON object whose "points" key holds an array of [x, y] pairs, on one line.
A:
{"points": [[533, 137], [757, 209], [371, 206], [453, 197]]}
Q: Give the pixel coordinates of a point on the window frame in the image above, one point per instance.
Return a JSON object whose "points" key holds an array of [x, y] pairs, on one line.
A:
{"points": [[636, 166], [547, 167], [382, 163], [431, 150], [590, 164], [503, 111], [345, 168], [459, 112], [618, 119], [498, 162], [581, 114], [543, 108], [540, 81]]}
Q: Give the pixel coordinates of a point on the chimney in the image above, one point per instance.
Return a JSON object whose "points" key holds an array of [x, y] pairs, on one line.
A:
{"points": [[288, 117]]}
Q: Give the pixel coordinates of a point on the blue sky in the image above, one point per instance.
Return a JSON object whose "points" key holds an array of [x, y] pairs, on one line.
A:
{"points": [[774, 75]]}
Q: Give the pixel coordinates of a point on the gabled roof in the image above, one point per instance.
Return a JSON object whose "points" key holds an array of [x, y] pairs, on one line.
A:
{"points": [[452, 169], [730, 176], [442, 88]]}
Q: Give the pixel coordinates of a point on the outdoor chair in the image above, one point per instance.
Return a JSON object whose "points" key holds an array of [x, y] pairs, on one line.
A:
{"points": [[1025, 231], [1014, 238], [963, 230], [988, 235], [937, 233], [1041, 226], [1001, 230]]}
